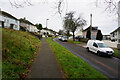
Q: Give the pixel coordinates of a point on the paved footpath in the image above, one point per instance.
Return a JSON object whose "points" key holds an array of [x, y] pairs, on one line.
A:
{"points": [[45, 65]]}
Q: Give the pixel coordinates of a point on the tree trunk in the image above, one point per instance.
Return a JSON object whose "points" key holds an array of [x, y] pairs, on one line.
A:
{"points": [[73, 36], [68, 34]]}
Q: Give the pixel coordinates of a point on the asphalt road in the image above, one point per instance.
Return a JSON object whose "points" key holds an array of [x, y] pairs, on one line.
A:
{"points": [[108, 66]]}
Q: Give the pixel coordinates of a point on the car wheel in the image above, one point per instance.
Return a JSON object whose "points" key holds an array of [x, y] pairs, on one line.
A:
{"points": [[98, 53], [88, 49]]}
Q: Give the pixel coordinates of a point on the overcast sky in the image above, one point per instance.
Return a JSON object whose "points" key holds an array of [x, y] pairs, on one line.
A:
{"points": [[45, 9]]}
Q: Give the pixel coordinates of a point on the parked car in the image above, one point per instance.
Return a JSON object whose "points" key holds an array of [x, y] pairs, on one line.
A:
{"points": [[79, 37], [60, 37], [99, 48], [113, 40], [71, 37], [64, 38]]}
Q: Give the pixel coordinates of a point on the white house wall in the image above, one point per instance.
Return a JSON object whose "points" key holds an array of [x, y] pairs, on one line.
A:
{"points": [[1, 19], [79, 33], [33, 28], [7, 21]]}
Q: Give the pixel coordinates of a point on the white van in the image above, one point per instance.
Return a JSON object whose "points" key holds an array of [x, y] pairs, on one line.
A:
{"points": [[99, 48]]}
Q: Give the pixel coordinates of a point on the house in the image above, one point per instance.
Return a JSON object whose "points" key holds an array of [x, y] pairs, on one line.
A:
{"points": [[115, 35], [8, 21], [47, 32], [94, 32], [106, 37], [27, 25]]}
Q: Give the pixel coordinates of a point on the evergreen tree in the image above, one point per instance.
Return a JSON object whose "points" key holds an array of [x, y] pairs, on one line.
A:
{"points": [[99, 35], [88, 35], [39, 26]]}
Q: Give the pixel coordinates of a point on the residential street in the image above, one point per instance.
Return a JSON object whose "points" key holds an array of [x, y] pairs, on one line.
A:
{"points": [[108, 66], [55, 39], [45, 65]]}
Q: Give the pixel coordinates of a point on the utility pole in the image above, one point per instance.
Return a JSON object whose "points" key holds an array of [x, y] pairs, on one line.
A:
{"points": [[118, 45], [0, 47], [91, 24]]}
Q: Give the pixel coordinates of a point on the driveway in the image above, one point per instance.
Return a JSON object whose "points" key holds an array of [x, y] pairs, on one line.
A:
{"points": [[108, 66]]}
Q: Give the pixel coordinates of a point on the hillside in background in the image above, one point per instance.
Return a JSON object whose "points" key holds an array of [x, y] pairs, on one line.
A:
{"points": [[18, 52]]}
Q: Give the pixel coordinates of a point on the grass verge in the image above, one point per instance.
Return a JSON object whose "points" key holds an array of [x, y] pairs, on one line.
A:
{"points": [[18, 51], [75, 42], [117, 53], [73, 66]]}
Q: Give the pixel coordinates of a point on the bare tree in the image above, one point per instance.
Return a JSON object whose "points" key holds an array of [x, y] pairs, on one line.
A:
{"points": [[59, 4], [111, 5], [22, 3], [72, 24]]}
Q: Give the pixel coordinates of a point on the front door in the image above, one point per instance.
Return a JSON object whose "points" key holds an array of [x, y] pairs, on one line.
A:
{"points": [[3, 24], [11, 26]]}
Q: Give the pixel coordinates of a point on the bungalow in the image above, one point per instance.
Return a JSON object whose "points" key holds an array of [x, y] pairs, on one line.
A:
{"points": [[94, 32], [27, 25], [8, 21]]}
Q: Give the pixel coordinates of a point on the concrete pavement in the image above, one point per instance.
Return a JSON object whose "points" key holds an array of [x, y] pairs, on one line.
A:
{"points": [[45, 65]]}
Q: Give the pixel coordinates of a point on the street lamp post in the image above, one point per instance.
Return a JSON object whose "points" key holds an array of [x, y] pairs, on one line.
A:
{"points": [[46, 22], [91, 25]]}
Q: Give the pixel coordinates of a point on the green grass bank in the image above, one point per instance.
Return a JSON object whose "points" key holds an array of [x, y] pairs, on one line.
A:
{"points": [[18, 52]]}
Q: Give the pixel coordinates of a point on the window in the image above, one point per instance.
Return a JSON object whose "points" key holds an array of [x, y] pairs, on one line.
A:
{"points": [[7, 21], [118, 40], [113, 35], [102, 45], [95, 45]]}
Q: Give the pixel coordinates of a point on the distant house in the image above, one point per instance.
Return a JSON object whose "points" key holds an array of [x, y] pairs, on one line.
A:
{"points": [[46, 32], [27, 25], [94, 32], [8, 21], [106, 37], [115, 35]]}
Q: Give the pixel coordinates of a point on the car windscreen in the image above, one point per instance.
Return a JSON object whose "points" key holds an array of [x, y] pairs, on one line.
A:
{"points": [[64, 37], [102, 45]]}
